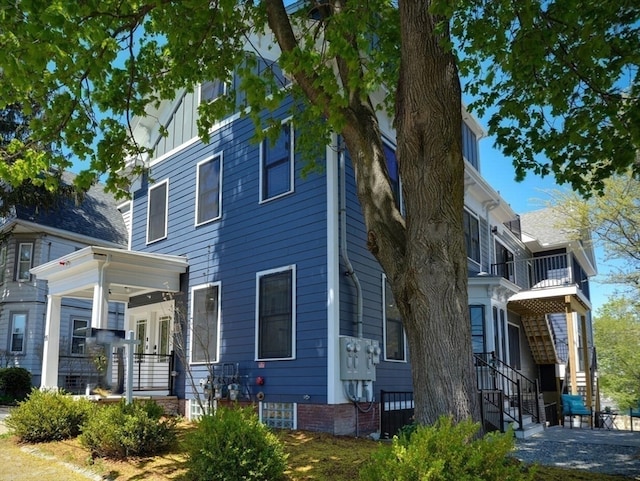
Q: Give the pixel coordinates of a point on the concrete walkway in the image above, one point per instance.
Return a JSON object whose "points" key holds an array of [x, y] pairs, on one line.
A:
{"points": [[599, 450]]}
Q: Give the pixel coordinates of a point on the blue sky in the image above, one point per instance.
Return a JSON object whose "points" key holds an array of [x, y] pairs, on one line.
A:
{"points": [[531, 194]]}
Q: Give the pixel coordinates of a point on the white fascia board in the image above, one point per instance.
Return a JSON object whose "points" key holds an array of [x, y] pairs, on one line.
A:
{"points": [[65, 234]]}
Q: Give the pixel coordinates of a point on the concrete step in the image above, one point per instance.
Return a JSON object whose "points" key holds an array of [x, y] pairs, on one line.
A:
{"points": [[529, 430]]}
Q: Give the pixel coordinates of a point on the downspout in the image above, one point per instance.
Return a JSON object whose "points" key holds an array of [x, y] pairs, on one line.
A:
{"points": [[343, 244]]}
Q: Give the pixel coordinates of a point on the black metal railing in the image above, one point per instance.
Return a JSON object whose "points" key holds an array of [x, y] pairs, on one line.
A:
{"points": [[542, 272], [396, 411], [151, 372], [520, 395]]}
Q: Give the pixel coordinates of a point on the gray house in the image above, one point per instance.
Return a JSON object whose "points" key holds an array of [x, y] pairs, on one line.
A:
{"points": [[31, 236], [237, 263]]}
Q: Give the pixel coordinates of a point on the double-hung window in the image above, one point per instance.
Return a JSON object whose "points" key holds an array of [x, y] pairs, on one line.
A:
{"points": [[25, 261], [157, 209], [394, 336], [3, 262], [205, 323], [79, 336], [504, 262], [394, 173], [277, 164], [209, 190], [18, 330], [472, 236], [276, 313], [476, 313]]}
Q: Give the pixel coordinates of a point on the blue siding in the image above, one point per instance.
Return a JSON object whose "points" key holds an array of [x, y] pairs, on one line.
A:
{"points": [[249, 238]]}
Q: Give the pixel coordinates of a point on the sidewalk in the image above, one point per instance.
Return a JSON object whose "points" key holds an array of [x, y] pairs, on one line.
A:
{"points": [[599, 450]]}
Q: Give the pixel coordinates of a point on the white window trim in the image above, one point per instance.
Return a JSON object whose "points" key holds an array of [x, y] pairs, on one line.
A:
{"points": [[495, 258], [384, 326], [292, 164], [24, 334], [3, 263], [17, 275], [477, 217], [217, 284], [166, 217], [259, 275], [219, 216], [86, 335]]}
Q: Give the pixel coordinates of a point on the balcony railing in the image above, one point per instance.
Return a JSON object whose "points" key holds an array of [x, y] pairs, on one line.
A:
{"points": [[542, 272]]}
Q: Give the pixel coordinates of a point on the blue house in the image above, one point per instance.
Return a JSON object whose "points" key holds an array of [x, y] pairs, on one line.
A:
{"points": [[257, 284]]}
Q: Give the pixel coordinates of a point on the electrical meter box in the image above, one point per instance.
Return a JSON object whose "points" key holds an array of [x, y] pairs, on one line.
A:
{"points": [[358, 358]]}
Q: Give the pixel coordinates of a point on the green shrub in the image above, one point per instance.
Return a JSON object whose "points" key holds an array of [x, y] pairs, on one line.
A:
{"points": [[122, 430], [48, 416], [446, 452], [232, 444], [15, 383]]}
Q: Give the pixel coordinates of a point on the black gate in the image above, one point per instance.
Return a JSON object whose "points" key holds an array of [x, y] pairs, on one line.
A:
{"points": [[396, 411]]}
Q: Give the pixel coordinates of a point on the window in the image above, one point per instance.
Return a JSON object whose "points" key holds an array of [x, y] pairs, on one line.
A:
{"points": [[394, 173], [504, 262], [25, 257], [79, 336], [278, 415], [209, 190], [141, 335], [469, 145], [205, 319], [163, 337], [276, 164], [157, 212], [514, 346], [211, 90], [275, 313], [472, 236], [394, 336], [18, 329], [3, 263], [477, 328]]}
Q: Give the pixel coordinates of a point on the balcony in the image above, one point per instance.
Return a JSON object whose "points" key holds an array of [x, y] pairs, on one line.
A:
{"points": [[552, 271]]}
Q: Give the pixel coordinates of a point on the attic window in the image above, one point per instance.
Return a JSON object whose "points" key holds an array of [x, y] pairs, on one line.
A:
{"points": [[211, 90]]}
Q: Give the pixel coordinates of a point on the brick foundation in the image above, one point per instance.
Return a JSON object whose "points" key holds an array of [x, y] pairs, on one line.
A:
{"points": [[339, 419]]}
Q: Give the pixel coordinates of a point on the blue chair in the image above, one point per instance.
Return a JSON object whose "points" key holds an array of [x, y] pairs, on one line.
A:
{"points": [[573, 405], [634, 413]]}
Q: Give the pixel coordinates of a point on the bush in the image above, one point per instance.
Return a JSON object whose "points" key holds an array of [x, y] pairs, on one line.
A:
{"points": [[446, 452], [48, 416], [15, 383], [232, 444], [122, 430]]}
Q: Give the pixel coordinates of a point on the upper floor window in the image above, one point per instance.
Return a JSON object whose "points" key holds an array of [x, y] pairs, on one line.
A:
{"points": [[25, 261], [209, 190], [394, 173], [472, 235], [277, 164], [211, 90], [394, 336], [18, 330], [157, 208], [504, 262], [469, 145], [276, 313], [205, 323], [79, 336], [3, 262]]}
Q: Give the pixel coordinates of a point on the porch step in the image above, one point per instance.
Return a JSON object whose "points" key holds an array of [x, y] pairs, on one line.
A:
{"points": [[529, 430]]}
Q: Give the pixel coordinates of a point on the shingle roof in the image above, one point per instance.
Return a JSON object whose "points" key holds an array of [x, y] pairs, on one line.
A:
{"points": [[97, 216], [545, 225]]}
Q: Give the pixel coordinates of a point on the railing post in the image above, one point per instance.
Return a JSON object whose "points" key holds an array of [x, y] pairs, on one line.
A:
{"points": [[537, 391], [519, 393]]}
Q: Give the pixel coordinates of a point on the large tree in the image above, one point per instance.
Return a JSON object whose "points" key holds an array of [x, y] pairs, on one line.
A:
{"points": [[568, 61]]}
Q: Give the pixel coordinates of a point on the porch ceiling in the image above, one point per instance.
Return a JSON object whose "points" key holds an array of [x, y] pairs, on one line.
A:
{"points": [[125, 273]]}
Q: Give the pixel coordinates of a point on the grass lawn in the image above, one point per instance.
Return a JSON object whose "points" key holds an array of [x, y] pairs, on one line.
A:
{"points": [[312, 457]]}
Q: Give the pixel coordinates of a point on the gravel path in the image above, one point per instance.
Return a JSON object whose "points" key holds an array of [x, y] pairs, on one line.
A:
{"points": [[596, 450]]}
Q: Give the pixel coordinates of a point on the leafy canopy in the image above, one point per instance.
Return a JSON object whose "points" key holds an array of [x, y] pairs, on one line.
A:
{"points": [[561, 77]]}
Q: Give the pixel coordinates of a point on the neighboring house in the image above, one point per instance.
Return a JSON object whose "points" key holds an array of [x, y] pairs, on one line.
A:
{"points": [[234, 253], [31, 236]]}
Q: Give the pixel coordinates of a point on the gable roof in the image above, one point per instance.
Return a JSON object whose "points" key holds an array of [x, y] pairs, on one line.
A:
{"points": [[96, 217], [545, 226]]}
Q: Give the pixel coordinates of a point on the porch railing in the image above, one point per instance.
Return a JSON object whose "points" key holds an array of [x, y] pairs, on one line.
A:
{"points": [[151, 372], [542, 272], [519, 393], [396, 411]]}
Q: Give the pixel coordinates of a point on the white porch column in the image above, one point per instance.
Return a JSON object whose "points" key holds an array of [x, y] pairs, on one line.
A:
{"points": [[100, 310], [51, 351]]}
